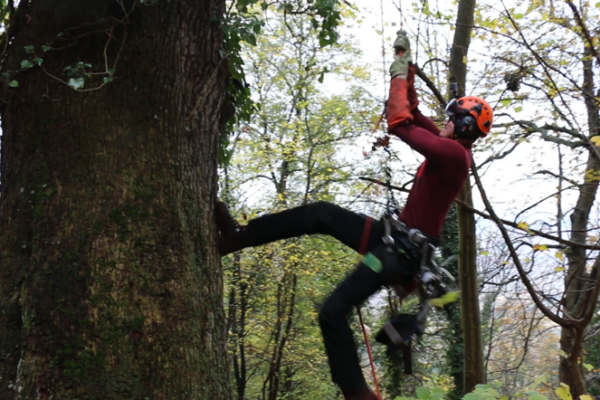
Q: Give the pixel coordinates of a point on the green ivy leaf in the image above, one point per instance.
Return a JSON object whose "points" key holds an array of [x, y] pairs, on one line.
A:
{"points": [[13, 83], [76, 83], [46, 48], [26, 64], [29, 49], [108, 80], [437, 393], [538, 396], [422, 393], [38, 60]]}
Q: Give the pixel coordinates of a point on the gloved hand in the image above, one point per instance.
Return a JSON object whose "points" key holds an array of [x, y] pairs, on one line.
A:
{"points": [[402, 56]]}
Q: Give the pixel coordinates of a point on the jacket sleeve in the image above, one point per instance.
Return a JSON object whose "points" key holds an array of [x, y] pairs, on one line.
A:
{"points": [[425, 122], [442, 151]]}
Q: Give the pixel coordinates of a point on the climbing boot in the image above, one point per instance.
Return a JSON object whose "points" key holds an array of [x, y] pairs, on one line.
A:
{"points": [[233, 235], [368, 395]]}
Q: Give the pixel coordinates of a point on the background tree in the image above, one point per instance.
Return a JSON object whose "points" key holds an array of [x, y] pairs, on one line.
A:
{"points": [[555, 75], [299, 147]]}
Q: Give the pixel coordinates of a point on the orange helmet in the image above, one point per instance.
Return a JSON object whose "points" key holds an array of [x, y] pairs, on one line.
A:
{"points": [[479, 116]]}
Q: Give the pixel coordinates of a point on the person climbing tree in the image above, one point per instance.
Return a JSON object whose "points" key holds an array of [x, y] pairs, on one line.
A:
{"points": [[439, 179]]}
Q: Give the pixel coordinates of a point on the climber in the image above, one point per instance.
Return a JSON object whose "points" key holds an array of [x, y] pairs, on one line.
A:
{"points": [[439, 179]]}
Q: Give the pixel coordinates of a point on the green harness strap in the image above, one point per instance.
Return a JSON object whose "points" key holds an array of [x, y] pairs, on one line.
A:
{"points": [[373, 262]]}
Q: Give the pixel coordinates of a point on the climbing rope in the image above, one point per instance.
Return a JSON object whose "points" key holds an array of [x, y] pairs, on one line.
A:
{"points": [[391, 203]]}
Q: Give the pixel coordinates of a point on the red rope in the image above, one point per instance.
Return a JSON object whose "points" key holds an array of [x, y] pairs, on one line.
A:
{"points": [[369, 352], [363, 248]]}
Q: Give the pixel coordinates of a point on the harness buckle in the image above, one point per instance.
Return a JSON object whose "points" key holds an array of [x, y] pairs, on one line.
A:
{"points": [[388, 240]]}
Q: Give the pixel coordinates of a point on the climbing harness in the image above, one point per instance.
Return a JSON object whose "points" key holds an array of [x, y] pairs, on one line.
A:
{"points": [[406, 244], [398, 333]]}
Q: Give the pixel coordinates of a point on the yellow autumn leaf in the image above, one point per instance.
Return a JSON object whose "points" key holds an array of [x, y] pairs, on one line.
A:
{"points": [[560, 255], [564, 392], [585, 397], [450, 297], [540, 247], [559, 269], [595, 140], [523, 226], [589, 367], [592, 175]]}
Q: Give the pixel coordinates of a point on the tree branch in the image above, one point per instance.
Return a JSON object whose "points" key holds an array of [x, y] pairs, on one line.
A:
{"points": [[431, 86], [532, 292], [543, 130], [585, 30], [505, 222]]}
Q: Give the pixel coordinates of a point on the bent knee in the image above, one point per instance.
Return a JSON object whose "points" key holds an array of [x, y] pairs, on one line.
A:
{"points": [[319, 216], [333, 310]]}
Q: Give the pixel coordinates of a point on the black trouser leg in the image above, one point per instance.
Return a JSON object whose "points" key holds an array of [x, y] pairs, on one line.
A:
{"points": [[321, 217], [338, 337]]}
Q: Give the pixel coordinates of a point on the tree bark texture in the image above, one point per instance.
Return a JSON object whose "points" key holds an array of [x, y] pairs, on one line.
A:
{"points": [[109, 271], [580, 297], [454, 336], [474, 372]]}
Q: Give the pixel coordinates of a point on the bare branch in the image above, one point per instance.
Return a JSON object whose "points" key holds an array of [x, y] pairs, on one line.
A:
{"points": [[505, 222], [431, 86], [564, 178], [586, 32], [532, 292]]}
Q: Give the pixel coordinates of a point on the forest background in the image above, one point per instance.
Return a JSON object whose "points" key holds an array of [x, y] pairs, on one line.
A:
{"points": [[310, 141], [123, 122]]}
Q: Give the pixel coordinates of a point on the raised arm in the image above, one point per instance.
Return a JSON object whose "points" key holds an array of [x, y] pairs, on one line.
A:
{"points": [[425, 122], [436, 149]]}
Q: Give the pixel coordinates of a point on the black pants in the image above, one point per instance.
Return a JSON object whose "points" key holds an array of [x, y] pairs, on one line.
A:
{"points": [[348, 228]]}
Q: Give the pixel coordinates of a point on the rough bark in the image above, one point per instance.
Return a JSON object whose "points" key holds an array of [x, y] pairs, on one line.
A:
{"points": [[110, 276], [454, 336], [580, 298], [473, 350]]}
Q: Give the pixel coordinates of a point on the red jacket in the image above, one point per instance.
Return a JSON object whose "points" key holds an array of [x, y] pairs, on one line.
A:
{"points": [[439, 179]]}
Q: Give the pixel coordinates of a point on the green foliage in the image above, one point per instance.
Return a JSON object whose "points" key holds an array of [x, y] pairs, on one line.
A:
{"points": [[243, 25], [292, 148]]}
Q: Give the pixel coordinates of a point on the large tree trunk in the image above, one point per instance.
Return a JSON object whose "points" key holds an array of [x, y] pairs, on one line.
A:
{"points": [[473, 350], [580, 299], [454, 336], [110, 277]]}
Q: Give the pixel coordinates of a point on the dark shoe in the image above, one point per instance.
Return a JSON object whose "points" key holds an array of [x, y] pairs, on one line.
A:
{"points": [[231, 238], [368, 395]]}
